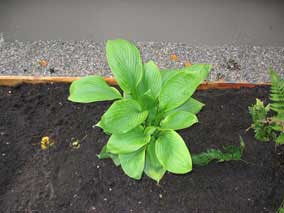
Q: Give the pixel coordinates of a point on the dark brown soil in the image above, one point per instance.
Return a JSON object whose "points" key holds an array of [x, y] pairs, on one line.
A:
{"points": [[64, 179]]}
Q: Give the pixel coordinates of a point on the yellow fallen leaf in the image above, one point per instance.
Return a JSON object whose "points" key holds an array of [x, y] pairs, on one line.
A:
{"points": [[75, 144], [46, 142], [187, 64], [174, 57], [43, 63]]}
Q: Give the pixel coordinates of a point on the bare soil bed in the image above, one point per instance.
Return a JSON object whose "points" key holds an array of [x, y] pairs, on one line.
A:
{"points": [[66, 179]]}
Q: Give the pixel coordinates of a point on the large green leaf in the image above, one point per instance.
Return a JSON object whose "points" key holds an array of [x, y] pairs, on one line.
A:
{"points": [[152, 79], [104, 154], [133, 163], [178, 86], [150, 130], [153, 168], [127, 142], [191, 105], [147, 101], [90, 89], [167, 74], [202, 69], [178, 120], [178, 89], [122, 116], [126, 64], [172, 152]]}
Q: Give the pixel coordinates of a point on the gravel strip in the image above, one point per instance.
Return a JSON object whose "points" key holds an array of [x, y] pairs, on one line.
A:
{"points": [[80, 58]]}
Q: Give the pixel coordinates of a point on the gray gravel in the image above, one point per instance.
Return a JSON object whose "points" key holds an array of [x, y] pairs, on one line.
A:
{"points": [[79, 58]]}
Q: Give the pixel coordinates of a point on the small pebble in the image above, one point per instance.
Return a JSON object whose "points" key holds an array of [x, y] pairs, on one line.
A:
{"points": [[160, 196], [3, 154], [110, 189], [105, 199], [98, 166]]}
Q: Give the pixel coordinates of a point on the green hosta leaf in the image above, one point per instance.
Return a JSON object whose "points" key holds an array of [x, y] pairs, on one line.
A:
{"points": [[202, 69], [152, 79], [172, 152], [153, 168], [127, 142], [125, 62], [178, 89], [280, 139], [230, 153], [104, 154], [133, 163], [175, 91], [178, 120], [122, 116], [191, 105], [167, 74], [90, 89], [147, 101], [150, 130], [152, 115]]}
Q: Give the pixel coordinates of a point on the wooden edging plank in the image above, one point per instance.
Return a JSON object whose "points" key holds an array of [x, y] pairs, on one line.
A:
{"points": [[16, 80]]}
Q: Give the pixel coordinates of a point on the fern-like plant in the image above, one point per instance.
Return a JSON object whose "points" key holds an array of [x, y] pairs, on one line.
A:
{"points": [[270, 128]]}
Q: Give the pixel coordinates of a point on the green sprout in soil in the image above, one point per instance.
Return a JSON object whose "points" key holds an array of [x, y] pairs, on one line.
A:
{"points": [[142, 122], [266, 127]]}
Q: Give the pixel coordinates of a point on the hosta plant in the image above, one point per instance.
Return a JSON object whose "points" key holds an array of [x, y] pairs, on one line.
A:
{"points": [[268, 121], [142, 122]]}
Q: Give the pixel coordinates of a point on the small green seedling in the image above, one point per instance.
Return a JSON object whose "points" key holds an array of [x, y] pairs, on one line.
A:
{"points": [[266, 127], [229, 153], [142, 122]]}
